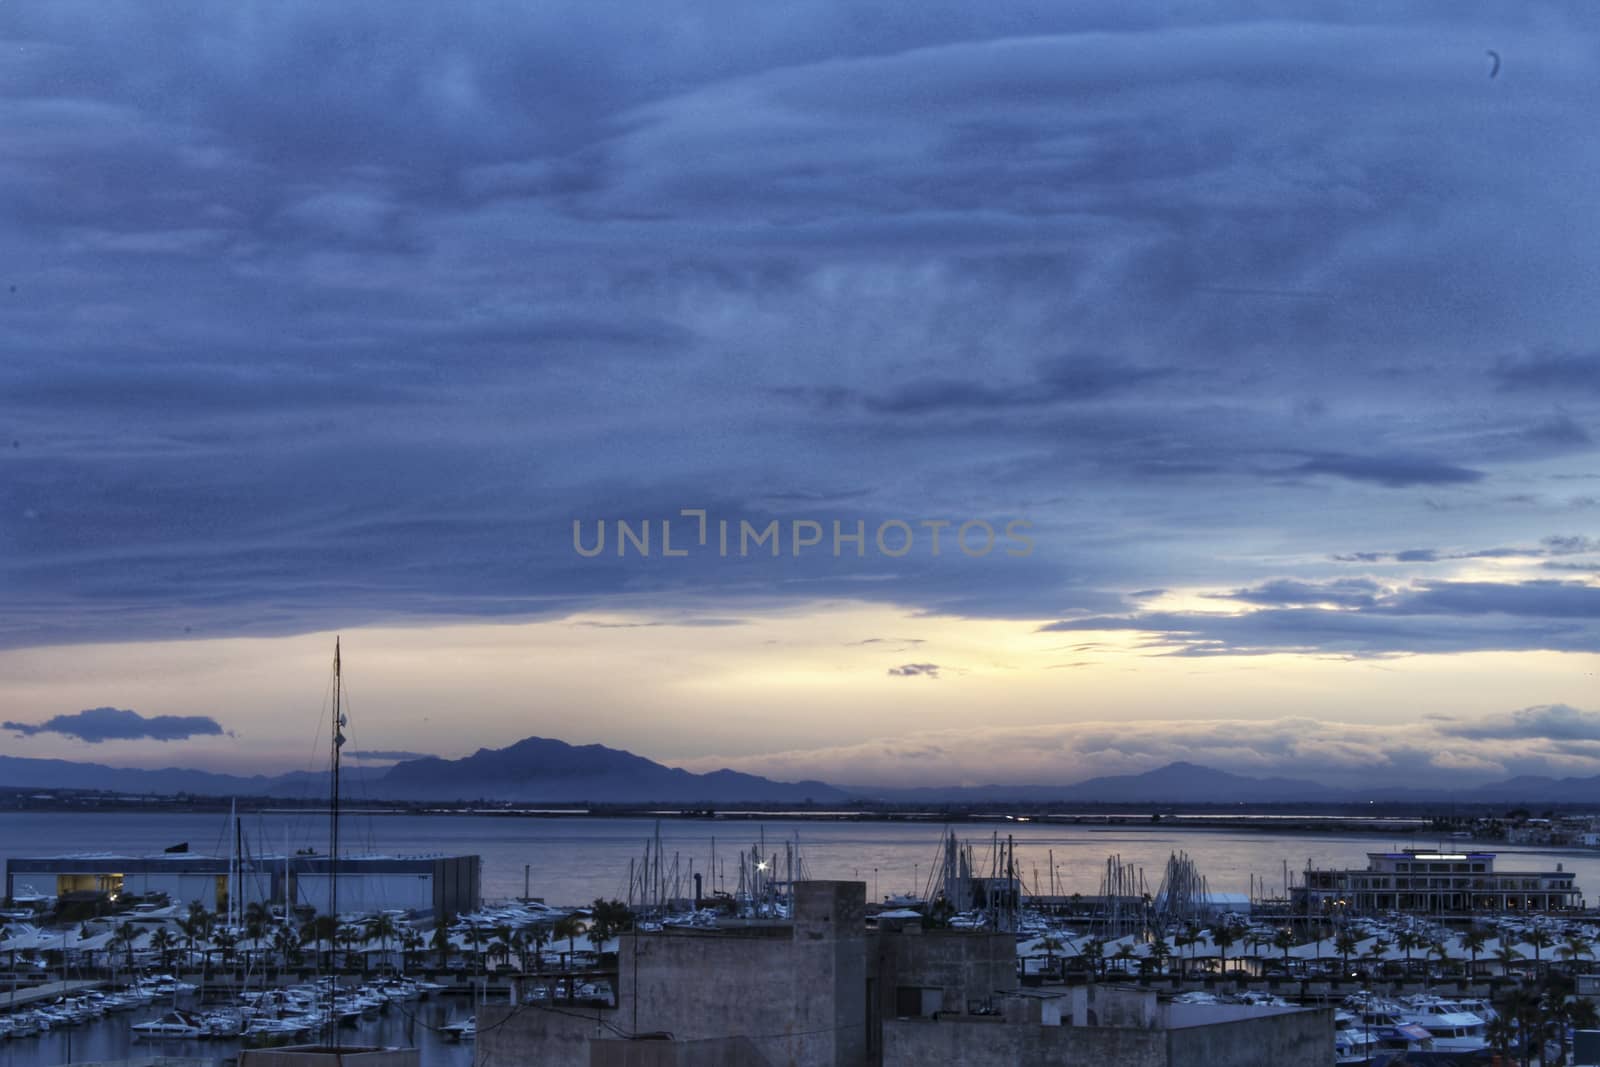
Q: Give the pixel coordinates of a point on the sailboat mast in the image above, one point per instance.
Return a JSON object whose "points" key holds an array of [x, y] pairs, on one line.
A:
{"points": [[333, 843], [233, 860]]}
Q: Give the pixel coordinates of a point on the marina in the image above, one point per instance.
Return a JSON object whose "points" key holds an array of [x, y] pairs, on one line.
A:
{"points": [[198, 982]]}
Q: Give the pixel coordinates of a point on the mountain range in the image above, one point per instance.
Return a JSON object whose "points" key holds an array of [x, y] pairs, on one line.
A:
{"points": [[541, 770], [533, 770]]}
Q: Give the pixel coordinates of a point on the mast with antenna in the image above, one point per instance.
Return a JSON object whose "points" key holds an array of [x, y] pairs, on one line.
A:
{"points": [[339, 723]]}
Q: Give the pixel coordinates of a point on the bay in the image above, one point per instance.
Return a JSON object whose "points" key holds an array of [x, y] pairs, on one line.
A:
{"points": [[573, 860]]}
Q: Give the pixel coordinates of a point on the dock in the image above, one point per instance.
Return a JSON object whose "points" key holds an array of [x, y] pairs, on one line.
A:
{"points": [[48, 991]]}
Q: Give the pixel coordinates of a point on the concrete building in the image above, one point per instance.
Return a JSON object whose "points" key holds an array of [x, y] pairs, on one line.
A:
{"points": [[1097, 1025], [1437, 883], [823, 990], [438, 885]]}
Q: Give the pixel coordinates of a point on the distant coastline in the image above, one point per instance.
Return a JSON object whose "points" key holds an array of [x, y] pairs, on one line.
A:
{"points": [[1399, 819]]}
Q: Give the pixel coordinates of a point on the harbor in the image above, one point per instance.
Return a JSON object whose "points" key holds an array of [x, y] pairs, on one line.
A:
{"points": [[96, 948]]}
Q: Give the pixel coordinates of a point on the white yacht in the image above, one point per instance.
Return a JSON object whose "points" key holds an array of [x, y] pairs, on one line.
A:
{"points": [[1454, 1028]]}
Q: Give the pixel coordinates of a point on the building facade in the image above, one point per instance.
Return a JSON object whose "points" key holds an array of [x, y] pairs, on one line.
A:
{"points": [[1449, 883], [437, 885]]}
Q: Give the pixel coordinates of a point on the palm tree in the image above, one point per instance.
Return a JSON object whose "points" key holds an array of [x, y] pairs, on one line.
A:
{"points": [[1124, 956], [320, 930], [1160, 952], [1094, 950], [164, 943], [1506, 955], [504, 935], [1440, 950], [1407, 942], [1051, 944], [1284, 939], [256, 920], [1183, 939], [475, 939], [1473, 941], [540, 936], [1378, 953], [350, 937], [1500, 1033], [410, 941], [1345, 944], [124, 938], [612, 916], [1576, 945], [286, 944], [569, 927], [1224, 938], [441, 944], [1540, 939], [1527, 1007], [381, 928], [225, 940], [199, 923]]}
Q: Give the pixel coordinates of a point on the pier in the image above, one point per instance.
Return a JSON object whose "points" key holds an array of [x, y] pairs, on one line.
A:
{"points": [[49, 991]]}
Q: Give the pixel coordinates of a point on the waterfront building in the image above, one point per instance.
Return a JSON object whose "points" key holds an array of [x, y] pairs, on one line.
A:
{"points": [[1437, 883], [422, 885]]}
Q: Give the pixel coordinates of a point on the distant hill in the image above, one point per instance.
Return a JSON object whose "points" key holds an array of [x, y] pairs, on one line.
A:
{"points": [[532, 770], [1536, 789], [19, 772], [540, 769], [1190, 782]]}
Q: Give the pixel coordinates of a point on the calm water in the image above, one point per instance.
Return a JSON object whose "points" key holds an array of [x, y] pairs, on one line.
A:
{"points": [[575, 860], [109, 1038]]}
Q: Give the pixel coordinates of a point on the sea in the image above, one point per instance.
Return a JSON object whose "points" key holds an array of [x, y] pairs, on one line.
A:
{"points": [[570, 860]]}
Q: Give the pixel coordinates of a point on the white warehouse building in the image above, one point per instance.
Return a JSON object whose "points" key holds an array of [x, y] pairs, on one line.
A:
{"points": [[424, 885]]}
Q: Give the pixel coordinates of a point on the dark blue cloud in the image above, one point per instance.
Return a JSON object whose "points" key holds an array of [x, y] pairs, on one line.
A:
{"points": [[1059, 381], [116, 724], [1395, 472], [1342, 617], [1343, 592], [341, 315], [1565, 373]]}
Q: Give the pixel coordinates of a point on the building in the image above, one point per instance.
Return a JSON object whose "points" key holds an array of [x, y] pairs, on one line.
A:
{"points": [[1090, 1024], [437, 885], [1450, 883], [825, 990]]}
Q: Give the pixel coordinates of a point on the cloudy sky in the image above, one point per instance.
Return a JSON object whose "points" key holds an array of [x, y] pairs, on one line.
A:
{"points": [[1272, 332]]}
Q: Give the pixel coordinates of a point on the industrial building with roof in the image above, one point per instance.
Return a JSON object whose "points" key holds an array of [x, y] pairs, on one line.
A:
{"points": [[422, 885]]}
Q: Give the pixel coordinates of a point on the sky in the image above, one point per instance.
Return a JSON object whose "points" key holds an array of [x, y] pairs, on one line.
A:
{"points": [[1241, 357]]}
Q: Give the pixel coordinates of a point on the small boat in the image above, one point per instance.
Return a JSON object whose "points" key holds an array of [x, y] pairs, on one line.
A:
{"points": [[175, 1023], [461, 1030]]}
